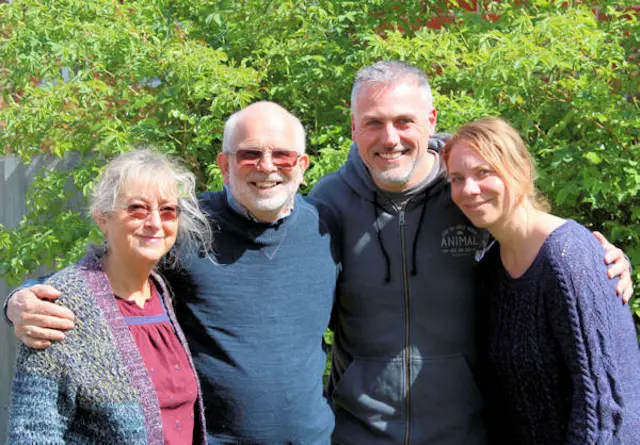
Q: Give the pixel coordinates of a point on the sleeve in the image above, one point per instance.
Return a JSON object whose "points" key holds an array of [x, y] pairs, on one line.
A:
{"points": [[331, 222], [24, 285], [584, 321], [42, 399]]}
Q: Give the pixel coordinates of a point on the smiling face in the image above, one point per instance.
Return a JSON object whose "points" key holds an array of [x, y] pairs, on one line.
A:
{"points": [[132, 239], [265, 189], [391, 124], [476, 187]]}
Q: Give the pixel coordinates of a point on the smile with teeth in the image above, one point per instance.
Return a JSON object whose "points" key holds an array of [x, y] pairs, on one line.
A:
{"points": [[391, 155], [265, 184]]}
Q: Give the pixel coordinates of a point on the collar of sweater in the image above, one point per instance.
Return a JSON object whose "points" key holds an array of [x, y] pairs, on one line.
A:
{"points": [[260, 234], [242, 210]]}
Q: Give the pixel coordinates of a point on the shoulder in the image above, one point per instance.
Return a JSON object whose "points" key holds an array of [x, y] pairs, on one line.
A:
{"points": [[71, 282], [211, 202], [54, 360], [320, 211], [438, 140], [577, 266], [573, 246], [84, 288], [339, 195], [328, 186], [67, 275], [310, 204]]}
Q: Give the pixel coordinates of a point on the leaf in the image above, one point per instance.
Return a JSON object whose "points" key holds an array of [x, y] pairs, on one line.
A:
{"points": [[593, 157]]}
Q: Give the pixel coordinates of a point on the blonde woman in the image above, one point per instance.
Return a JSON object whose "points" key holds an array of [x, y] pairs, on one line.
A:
{"points": [[562, 351]]}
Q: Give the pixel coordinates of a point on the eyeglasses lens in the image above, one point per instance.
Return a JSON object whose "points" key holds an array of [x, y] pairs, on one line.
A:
{"points": [[141, 211], [279, 158]]}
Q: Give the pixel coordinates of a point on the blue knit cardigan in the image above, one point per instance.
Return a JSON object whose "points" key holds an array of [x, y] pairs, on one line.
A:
{"points": [[93, 387]]}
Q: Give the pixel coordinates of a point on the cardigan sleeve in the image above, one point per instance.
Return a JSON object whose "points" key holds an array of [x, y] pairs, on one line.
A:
{"points": [[42, 399], [584, 321]]}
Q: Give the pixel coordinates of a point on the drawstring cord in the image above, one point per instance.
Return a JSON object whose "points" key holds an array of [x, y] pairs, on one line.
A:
{"points": [[414, 268], [387, 277]]}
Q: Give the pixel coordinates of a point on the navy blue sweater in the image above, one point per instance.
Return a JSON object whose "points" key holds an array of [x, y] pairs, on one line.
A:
{"points": [[564, 356], [254, 312]]}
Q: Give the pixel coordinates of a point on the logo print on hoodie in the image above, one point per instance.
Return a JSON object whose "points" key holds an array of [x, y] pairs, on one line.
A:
{"points": [[461, 240]]}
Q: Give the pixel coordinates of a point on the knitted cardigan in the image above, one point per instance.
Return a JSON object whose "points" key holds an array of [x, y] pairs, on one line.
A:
{"points": [[94, 386], [563, 351]]}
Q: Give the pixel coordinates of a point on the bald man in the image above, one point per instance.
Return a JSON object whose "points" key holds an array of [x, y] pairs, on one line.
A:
{"points": [[254, 308]]}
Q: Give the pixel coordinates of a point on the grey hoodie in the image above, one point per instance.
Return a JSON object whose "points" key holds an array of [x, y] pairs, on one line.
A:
{"points": [[404, 352]]}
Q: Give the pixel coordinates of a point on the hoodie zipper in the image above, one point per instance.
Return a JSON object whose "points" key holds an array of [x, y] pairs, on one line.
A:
{"points": [[407, 339]]}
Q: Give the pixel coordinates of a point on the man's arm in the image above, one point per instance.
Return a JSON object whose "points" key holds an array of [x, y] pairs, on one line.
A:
{"points": [[619, 266], [37, 320]]}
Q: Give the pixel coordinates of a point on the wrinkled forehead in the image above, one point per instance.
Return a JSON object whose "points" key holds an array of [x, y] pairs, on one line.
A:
{"points": [[266, 133]]}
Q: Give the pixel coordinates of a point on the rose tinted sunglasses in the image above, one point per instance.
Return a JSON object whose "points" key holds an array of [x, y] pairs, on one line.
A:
{"points": [[279, 158], [142, 211]]}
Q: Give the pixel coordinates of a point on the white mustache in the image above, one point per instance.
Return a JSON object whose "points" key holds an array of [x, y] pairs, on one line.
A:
{"points": [[266, 178]]}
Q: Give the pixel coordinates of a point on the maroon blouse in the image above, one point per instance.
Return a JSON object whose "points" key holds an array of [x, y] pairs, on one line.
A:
{"points": [[167, 364]]}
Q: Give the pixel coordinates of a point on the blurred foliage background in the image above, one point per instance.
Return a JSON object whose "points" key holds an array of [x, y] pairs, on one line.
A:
{"points": [[95, 78]]}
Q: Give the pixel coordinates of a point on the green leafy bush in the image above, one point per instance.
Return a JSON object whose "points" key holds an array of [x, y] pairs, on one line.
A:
{"points": [[94, 78]]}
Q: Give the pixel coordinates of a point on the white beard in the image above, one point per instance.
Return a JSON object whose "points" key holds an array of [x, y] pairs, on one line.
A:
{"points": [[279, 202]]}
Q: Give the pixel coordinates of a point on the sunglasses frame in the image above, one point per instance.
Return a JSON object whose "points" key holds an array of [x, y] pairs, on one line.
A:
{"points": [[141, 211], [252, 161]]}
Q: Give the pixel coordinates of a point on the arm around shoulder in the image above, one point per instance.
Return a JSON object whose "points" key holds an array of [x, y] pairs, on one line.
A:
{"points": [[36, 320], [25, 285], [327, 187]]}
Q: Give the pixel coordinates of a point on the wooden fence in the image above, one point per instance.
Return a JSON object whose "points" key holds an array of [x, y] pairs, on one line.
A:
{"points": [[15, 178]]}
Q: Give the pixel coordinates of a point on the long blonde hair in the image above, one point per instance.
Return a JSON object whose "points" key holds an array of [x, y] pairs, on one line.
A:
{"points": [[499, 144]]}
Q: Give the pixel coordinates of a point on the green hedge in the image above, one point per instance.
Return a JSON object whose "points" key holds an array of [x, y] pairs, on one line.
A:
{"points": [[96, 77]]}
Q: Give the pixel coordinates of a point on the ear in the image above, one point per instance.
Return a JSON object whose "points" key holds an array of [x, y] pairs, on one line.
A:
{"points": [[432, 118], [353, 128], [303, 162], [101, 221], [223, 163]]}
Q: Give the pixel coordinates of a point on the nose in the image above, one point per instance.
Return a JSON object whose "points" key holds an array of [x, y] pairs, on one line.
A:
{"points": [[390, 137], [153, 220], [470, 187], [266, 163]]}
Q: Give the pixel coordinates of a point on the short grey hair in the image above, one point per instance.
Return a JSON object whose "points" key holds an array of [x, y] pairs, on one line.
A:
{"points": [[391, 71], [163, 172], [233, 120]]}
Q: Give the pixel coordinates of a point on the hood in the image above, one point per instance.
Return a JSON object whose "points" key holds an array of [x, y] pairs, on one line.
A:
{"points": [[357, 176]]}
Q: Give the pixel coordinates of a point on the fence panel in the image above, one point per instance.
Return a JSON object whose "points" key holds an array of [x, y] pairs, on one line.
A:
{"points": [[15, 178]]}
